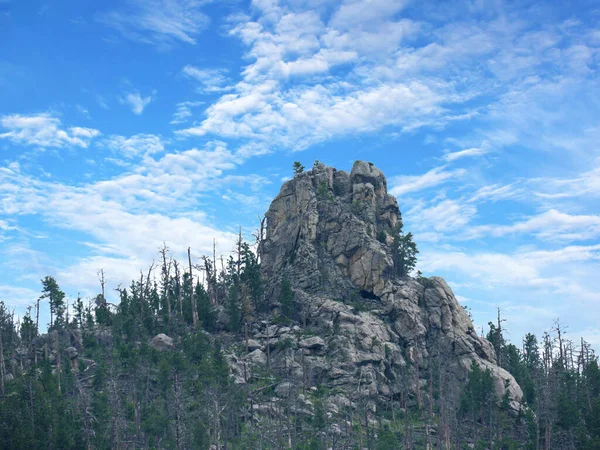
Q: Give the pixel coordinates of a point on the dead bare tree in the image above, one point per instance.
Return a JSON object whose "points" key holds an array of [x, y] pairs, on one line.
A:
{"points": [[102, 284], [166, 272], [178, 287], [193, 300], [259, 236]]}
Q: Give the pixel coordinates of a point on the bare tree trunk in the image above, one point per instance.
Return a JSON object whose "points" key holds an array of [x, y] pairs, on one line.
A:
{"points": [[194, 308], [166, 272], [178, 284], [37, 318], [141, 296], [102, 283]]}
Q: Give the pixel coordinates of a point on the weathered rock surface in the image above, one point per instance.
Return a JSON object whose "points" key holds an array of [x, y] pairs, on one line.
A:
{"points": [[162, 342], [365, 332], [71, 352]]}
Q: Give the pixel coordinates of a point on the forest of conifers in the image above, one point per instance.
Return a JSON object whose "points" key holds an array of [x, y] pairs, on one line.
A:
{"points": [[116, 390]]}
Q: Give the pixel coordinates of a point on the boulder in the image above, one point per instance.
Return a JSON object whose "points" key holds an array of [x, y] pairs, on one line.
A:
{"points": [[71, 352], [162, 342], [257, 357], [312, 343], [253, 344], [285, 389]]}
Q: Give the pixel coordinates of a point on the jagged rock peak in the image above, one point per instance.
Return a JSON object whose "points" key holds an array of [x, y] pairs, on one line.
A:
{"points": [[330, 230], [329, 233]]}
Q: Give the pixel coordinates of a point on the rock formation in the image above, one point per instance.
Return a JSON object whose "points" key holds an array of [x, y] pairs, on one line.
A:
{"points": [[363, 332]]}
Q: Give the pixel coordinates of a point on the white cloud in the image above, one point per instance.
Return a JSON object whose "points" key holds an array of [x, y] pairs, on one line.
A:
{"points": [[211, 80], [298, 118], [43, 130], [14, 296], [184, 112], [126, 218], [446, 216], [133, 146], [475, 151], [551, 225], [586, 184], [310, 80], [412, 183], [497, 192], [136, 102], [161, 23], [551, 270]]}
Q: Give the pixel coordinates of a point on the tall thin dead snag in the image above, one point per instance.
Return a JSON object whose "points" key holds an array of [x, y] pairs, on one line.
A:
{"points": [[193, 299], [166, 272]]}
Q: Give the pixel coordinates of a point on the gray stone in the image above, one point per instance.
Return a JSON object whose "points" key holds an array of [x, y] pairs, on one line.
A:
{"points": [[257, 357], [312, 343], [71, 352], [285, 389], [162, 342], [253, 344]]}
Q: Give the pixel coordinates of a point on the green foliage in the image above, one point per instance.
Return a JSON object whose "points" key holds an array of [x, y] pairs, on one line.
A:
{"points": [[234, 310], [56, 299], [478, 395], [323, 191], [404, 251], [124, 393], [286, 298], [387, 440], [298, 168], [206, 311]]}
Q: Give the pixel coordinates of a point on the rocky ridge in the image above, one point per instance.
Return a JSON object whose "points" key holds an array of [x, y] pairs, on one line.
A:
{"points": [[363, 333]]}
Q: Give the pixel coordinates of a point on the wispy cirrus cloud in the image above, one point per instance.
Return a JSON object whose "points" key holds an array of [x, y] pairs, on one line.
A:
{"points": [[134, 146], [160, 23], [210, 80], [404, 184], [44, 130], [184, 111], [468, 152], [551, 225]]}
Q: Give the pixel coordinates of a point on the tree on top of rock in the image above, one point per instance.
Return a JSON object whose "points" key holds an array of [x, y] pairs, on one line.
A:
{"points": [[298, 168], [404, 251], [56, 298]]}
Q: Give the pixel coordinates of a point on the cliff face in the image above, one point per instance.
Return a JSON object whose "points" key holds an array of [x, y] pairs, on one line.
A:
{"points": [[365, 333]]}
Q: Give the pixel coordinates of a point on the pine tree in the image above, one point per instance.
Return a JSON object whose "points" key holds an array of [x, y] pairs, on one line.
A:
{"points": [[298, 168], [404, 251], [286, 298], [56, 299]]}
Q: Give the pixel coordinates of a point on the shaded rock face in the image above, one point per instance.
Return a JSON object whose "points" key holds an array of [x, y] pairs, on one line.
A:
{"points": [[329, 233]]}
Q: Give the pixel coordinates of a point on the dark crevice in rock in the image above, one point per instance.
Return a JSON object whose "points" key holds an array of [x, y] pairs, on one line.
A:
{"points": [[368, 295]]}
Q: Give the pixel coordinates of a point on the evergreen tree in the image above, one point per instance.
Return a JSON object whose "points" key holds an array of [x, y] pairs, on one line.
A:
{"points": [[404, 251], [286, 298], [56, 299], [298, 168]]}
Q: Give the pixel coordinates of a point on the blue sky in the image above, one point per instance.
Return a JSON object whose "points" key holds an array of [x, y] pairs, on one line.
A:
{"points": [[124, 124]]}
